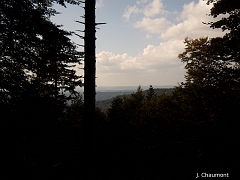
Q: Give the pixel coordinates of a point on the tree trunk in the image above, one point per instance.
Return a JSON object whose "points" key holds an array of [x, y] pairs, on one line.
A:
{"points": [[89, 89]]}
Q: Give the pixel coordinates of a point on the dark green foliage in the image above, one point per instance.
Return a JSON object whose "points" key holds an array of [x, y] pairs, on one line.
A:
{"points": [[35, 57], [192, 129], [105, 104], [150, 92], [211, 85], [204, 70], [174, 136], [74, 112], [36, 65], [228, 47], [195, 129]]}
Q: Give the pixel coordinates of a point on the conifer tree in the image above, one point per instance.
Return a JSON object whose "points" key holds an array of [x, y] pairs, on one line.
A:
{"points": [[150, 92], [35, 54]]}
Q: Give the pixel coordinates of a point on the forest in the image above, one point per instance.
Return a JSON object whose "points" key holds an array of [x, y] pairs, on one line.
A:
{"points": [[194, 129]]}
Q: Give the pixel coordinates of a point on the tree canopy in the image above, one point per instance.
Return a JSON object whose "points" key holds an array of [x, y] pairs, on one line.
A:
{"points": [[195, 128], [36, 56], [203, 68], [229, 45]]}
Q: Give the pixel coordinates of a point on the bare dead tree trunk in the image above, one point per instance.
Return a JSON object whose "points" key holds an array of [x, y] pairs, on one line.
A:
{"points": [[89, 88]]}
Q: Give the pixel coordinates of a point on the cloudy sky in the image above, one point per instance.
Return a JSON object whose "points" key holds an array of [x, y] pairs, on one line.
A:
{"points": [[140, 43]]}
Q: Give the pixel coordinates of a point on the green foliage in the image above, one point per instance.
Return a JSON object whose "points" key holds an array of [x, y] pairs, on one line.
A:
{"points": [[211, 84], [37, 62], [142, 136], [202, 67], [74, 111], [229, 45], [136, 111], [105, 104], [194, 126], [36, 57], [150, 92]]}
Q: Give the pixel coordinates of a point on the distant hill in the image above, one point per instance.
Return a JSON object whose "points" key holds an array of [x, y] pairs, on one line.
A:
{"points": [[100, 96], [105, 103]]}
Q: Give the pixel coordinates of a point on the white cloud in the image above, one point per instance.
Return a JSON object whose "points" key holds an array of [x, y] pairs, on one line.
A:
{"points": [[156, 64], [190, 23], [129, 11], [99, 4], [148, 36], [142, 1], [145, 7], [154, 26], [159, 62], [153, 8]]}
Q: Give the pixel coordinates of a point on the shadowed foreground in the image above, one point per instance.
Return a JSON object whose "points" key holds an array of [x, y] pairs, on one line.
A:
{"points": [[138, 138]]}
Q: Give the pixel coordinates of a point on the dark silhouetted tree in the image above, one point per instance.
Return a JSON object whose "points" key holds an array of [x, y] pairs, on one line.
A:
{"points": [[210, 83], [150, 93], [37, 62], [89, 87], [202, 67], [227, 47], [37, 57]]}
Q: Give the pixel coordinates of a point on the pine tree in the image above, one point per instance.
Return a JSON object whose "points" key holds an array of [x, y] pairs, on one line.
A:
{"points": [[150, 92], [35, 55]]}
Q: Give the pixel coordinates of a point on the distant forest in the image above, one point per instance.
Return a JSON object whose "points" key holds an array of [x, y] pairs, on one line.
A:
{"points": [[104, 99], [188, 131]]}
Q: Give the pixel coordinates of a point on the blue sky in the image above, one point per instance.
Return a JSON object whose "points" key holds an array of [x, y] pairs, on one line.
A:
{"points": [[140, 43]]}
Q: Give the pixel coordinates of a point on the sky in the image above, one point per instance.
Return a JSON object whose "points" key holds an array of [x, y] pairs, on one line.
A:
{"points": [[141, 41]]}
